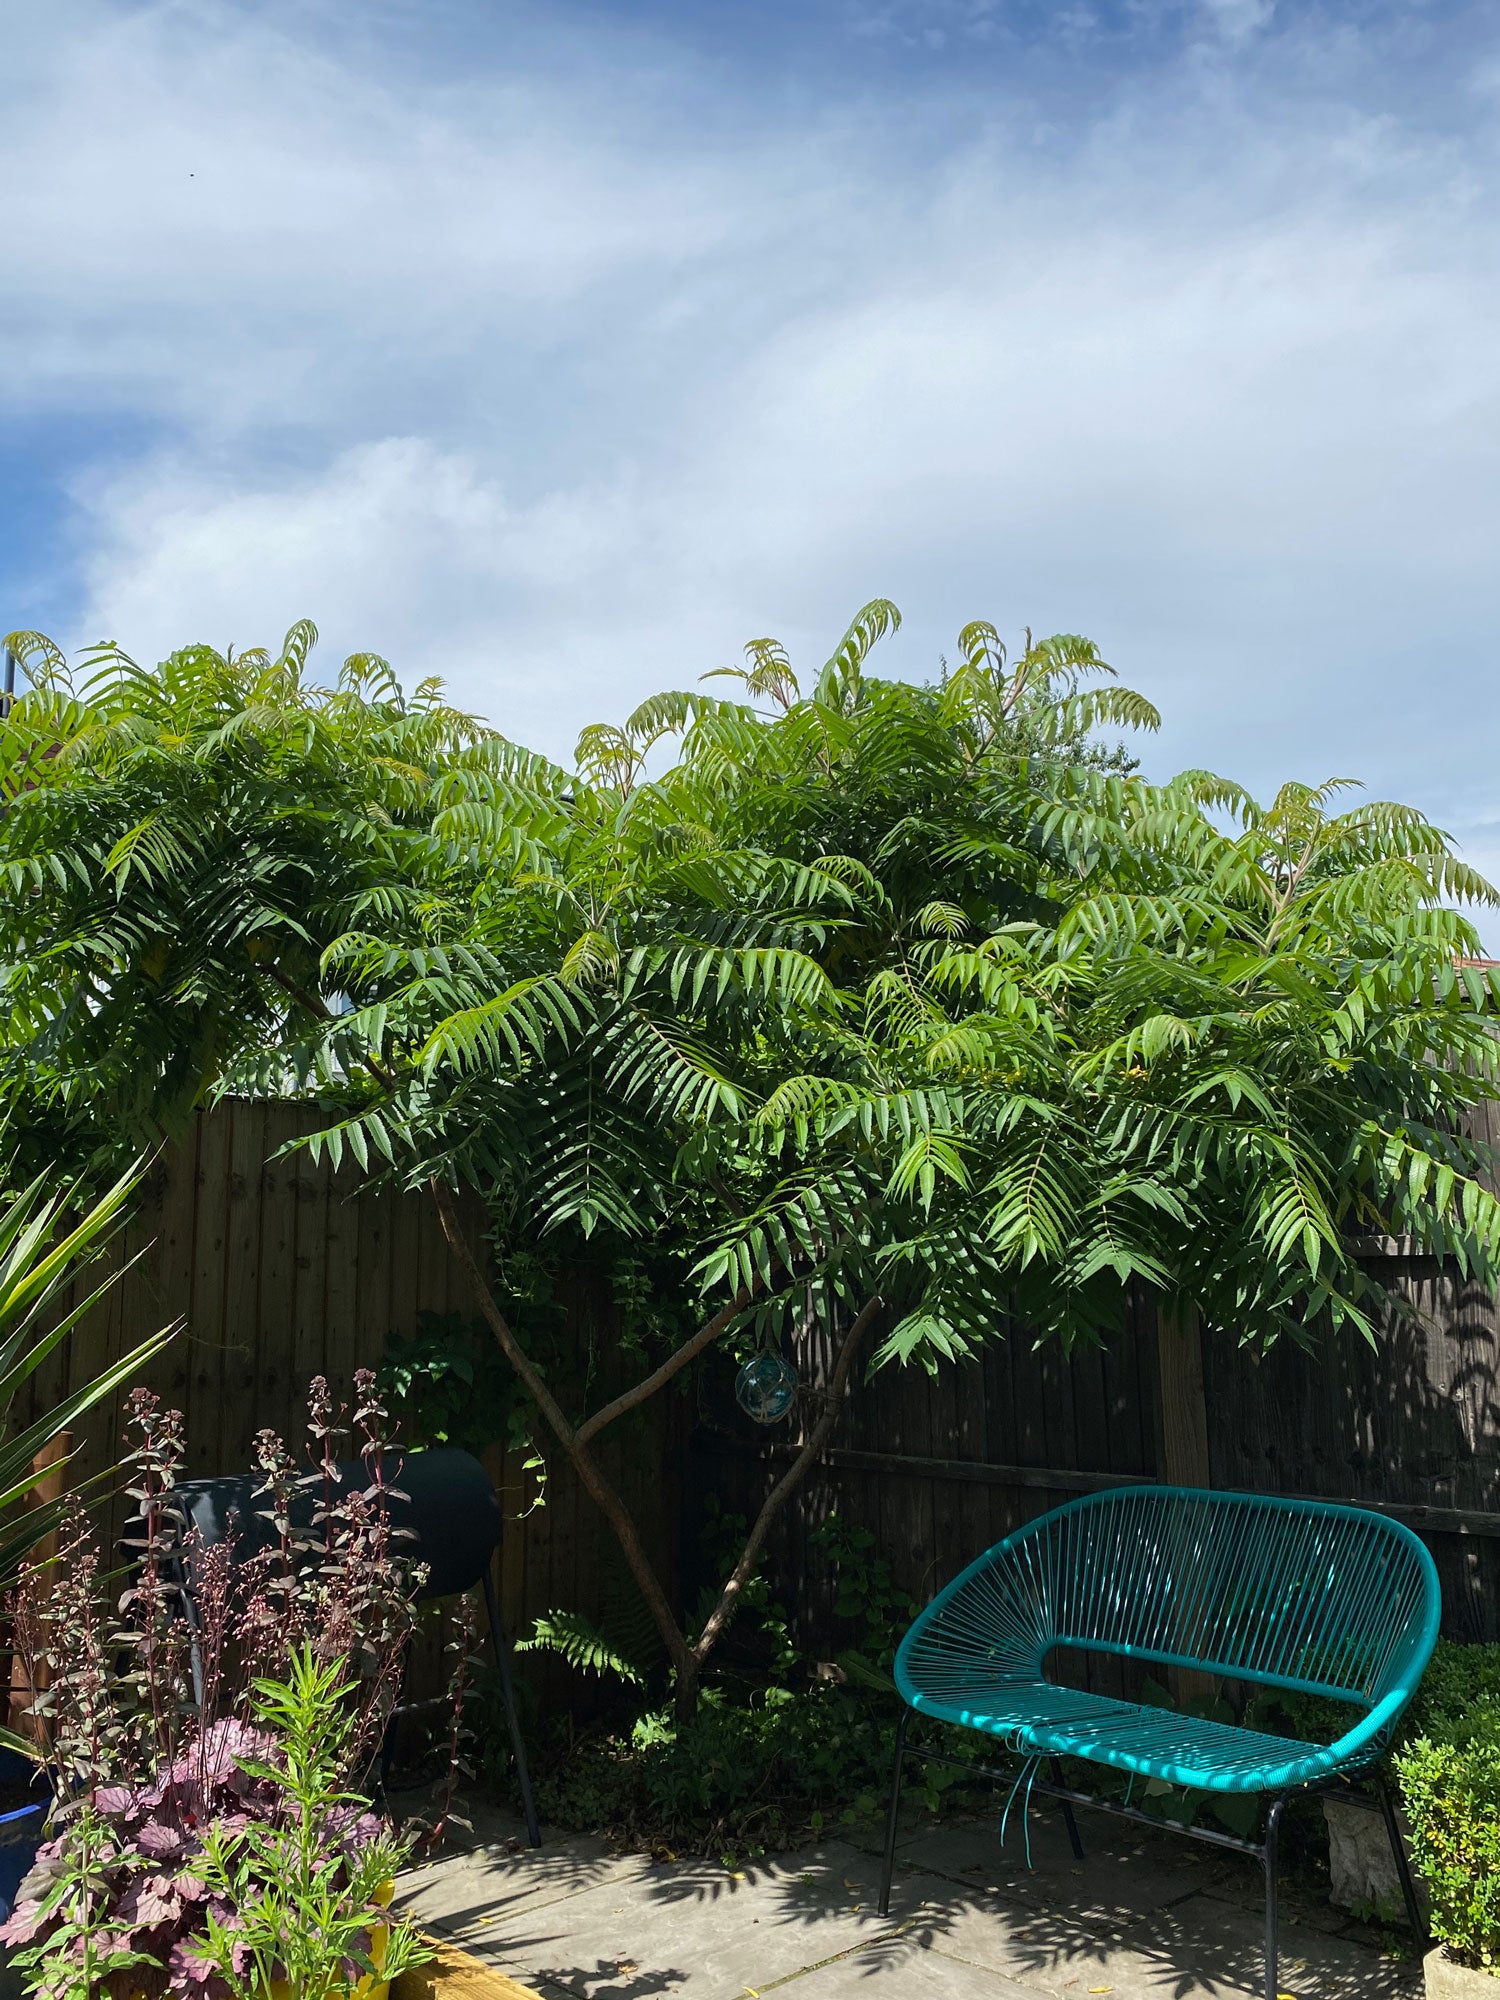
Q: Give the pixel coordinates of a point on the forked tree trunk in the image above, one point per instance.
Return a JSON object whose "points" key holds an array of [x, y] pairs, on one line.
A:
{"points": [[687, 1659]]}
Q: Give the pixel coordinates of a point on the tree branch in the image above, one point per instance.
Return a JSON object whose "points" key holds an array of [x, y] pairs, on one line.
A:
{"points": [[590, 1477], [320, 1011], [817, 1437], [706, 1335]]}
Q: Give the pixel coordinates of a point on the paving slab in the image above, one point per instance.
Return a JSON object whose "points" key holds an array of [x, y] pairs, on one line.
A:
{"points": [[487, 1871], [1143, 1917], [1220, 1943], [700, 1931], [1200, 1949], [916, 1976], [1124, 1875]]}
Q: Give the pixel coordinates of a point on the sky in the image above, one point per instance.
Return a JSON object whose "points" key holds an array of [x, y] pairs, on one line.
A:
{"points": [[559, 350]]}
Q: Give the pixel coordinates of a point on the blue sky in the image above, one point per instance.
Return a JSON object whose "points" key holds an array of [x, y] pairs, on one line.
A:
{"points": [[559, 350]]}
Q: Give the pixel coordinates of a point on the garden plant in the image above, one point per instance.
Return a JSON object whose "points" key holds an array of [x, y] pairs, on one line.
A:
{"points": [[55, 1266], [211, 1827], [883, 1009], [1449, 1771]]}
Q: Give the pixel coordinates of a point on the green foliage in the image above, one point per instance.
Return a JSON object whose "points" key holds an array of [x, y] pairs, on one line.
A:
{"points": [[867, 1597], [87, 1945], [1452, 1798], [888, 988], [575, 1639], [1449, 1772], [1306, 1718], [1459, 1698], [290, 1904], [776, 1753], [761, 1615], [449, 1384], [46, 1247], [752, 1771]]}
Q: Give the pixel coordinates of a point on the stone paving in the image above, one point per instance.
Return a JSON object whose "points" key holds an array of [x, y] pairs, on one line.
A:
{"points": [[1144, 1917]]}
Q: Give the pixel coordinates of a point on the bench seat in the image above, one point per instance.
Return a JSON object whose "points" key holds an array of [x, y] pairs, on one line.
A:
{"points": [[1040, 1719]]}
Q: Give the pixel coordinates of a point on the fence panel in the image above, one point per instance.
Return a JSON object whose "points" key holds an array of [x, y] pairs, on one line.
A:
{"points": [[279, 1268]]}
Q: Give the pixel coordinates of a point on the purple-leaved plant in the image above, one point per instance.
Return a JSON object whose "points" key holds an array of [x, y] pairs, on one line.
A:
{"points": [[147, 1758], [144, 1840]]}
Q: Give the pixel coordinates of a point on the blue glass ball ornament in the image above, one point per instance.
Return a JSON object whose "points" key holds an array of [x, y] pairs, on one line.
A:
{"points": [[766, 1388]]}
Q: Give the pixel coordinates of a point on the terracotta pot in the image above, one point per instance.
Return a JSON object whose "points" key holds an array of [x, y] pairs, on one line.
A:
{"points": [[1448, 1980]]}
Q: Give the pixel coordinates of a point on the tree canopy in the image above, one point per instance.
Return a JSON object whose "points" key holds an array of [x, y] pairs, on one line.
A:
{"points": [[876, 989]]}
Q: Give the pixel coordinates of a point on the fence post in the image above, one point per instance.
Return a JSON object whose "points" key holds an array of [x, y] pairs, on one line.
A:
{"points": [[1184, 1435], [1184, 1414]]}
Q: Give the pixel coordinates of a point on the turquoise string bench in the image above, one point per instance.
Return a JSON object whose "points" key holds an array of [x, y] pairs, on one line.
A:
{"points": [[1292, 1594]]}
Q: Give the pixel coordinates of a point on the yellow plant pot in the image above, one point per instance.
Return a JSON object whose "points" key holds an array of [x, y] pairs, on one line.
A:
{"points": [[372, 1986]]}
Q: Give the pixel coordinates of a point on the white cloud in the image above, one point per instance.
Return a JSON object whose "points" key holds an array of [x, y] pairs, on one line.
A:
{"points": [[557, 382], [1238, 20]]}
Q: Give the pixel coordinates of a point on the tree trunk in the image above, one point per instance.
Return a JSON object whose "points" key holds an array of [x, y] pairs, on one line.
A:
{"points": [[687, 1661], [685, 1689]]}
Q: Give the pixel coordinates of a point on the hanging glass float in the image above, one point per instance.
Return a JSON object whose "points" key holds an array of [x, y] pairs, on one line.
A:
{"points": [[766, 1388]]}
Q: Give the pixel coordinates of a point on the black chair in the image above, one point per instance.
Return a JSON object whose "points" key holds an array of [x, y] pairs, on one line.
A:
{"points": [[443, 1498]]}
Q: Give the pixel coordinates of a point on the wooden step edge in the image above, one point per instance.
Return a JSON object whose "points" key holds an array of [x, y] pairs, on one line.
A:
{"points": [[456, 1975]]}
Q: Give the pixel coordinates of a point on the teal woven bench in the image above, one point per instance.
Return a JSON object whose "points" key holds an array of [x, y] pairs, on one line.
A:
{"points": [[1291, 1594]]}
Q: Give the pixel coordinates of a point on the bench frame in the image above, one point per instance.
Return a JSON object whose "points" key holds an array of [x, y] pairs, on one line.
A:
{"points": [[1364, 1763], [1265, 1851]]}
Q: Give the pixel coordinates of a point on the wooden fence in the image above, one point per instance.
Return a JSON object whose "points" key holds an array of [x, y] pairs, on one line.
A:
{"points": [[938, 1466], [280, 1268]]}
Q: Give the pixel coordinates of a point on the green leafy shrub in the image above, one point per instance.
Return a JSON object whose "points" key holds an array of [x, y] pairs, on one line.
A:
{"points": [[1452, 1797], [1460, 1693], [781, 1746], [869, 1599], [1450, 1784], [450, 1384], [749, 1773]]}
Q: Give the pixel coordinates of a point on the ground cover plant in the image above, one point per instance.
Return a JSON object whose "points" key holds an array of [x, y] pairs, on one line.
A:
{"points": [[782, 1747], [887, 1008]]}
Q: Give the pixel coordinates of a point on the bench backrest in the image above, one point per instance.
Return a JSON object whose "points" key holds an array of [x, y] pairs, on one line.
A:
{"points": [[1291, 1593]]}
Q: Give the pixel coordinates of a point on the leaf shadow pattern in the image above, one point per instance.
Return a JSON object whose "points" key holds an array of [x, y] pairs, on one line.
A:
{"points": [[1140, 1915]]}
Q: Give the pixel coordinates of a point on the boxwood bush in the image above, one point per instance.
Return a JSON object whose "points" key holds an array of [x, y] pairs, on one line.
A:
{"points": [[1450, 1782]]}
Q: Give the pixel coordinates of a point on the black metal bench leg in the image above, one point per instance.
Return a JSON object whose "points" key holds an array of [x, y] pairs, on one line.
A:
{"points": [[1398, 1848], [512, 1719], [1273, 1831], [1070, 1818], [888, 1867]]}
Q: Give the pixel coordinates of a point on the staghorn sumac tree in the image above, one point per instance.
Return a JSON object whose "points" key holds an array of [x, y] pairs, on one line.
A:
{"points": [[889, 1007]]}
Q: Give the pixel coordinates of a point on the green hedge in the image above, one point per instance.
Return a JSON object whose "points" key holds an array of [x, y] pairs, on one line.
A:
{"points": [[1450, 1782]]}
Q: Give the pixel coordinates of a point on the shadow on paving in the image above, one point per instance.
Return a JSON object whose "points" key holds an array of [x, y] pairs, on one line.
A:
{"points": [[1198, 1947], [1144, 1917]]}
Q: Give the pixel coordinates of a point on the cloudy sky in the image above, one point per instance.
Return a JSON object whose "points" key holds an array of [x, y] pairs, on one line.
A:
{"points": [[560, 349]]}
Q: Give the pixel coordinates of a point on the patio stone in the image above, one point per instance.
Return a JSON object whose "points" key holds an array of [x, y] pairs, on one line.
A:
{"points": [[1124, 1875], [1221, 1943], [921, 1976], [1144, 1917], [489, 1871], [696, 1930]]}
